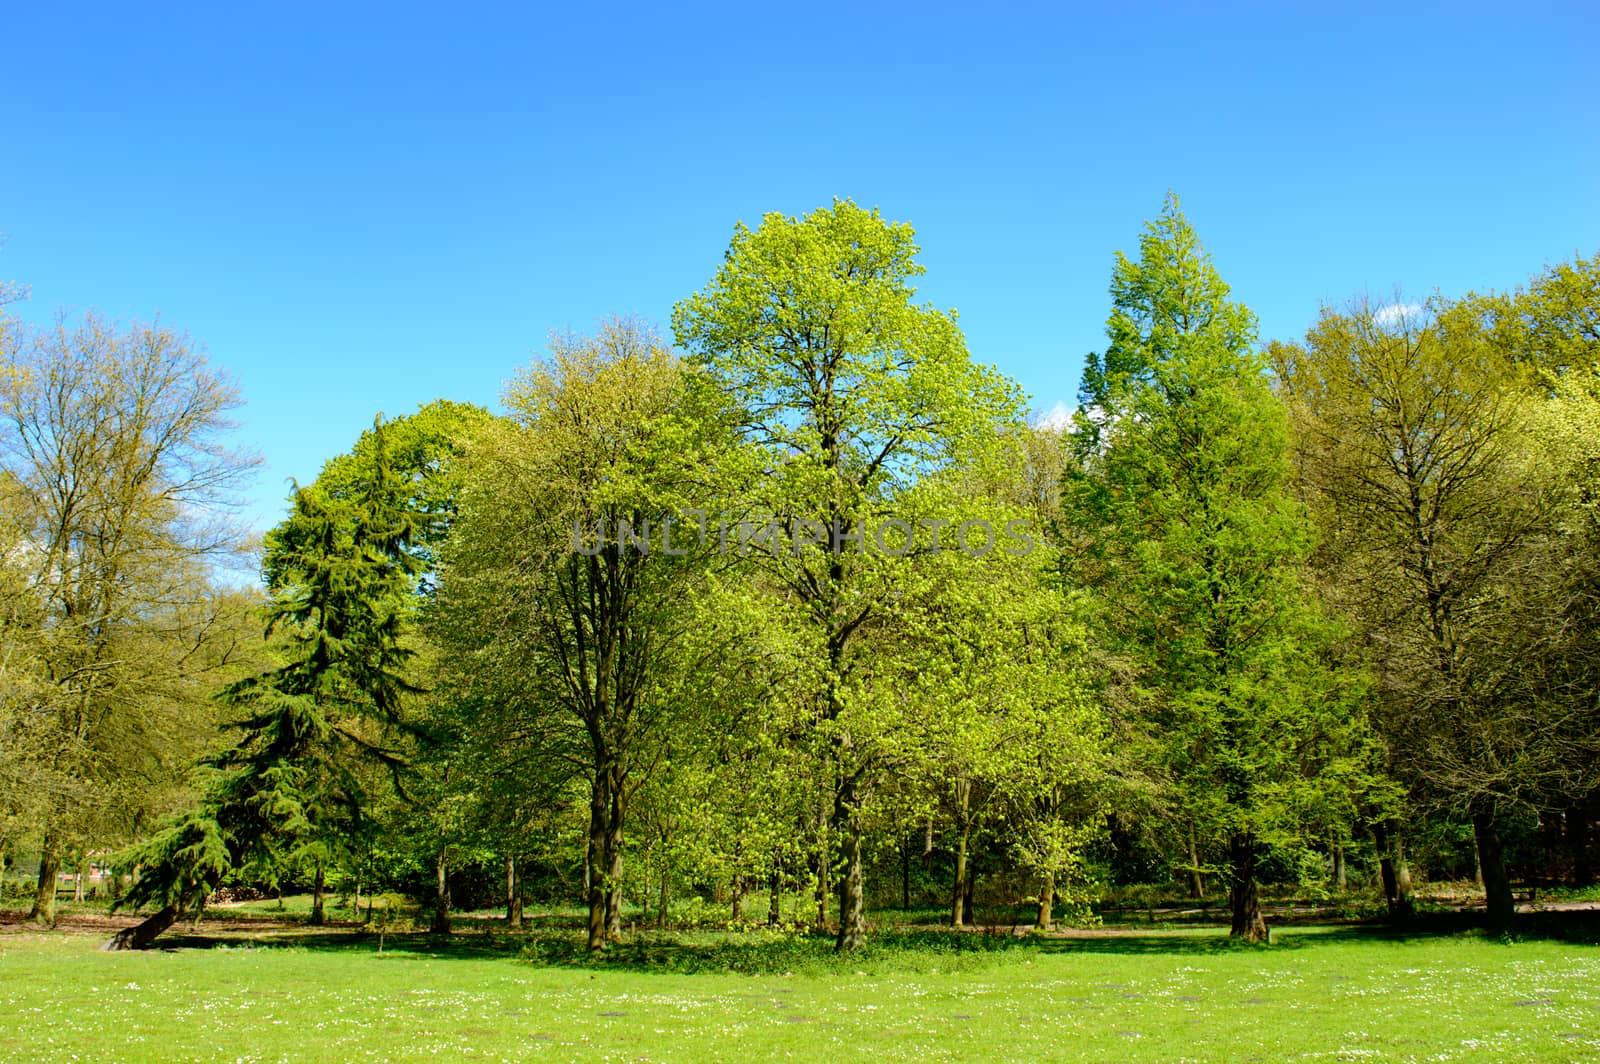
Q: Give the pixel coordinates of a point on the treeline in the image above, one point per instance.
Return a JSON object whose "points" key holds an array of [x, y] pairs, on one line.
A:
{"points": [[804, 606]]}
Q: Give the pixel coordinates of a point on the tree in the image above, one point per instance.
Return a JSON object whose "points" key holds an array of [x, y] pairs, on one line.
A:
{"points": [[1425, 458], [847, 391], [1194, 545], [576, 554], [344, 569], [1552, 325], [118, 484]]}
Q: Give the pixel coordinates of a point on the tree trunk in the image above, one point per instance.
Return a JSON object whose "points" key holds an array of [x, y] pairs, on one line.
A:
{"points": [[852, 894], [1402, 867], [905, 874], [513, 893], [317, 886], [666, 886], [1197, 882], [588, 864], [441, 897], [44, 898], [966, 895], [824, 862], [738, 899], [1243, 897], [1499, 904], [1047, 902], [142, 934], [1399, 903], [927, 846], [775, 904], [595, 863], [1341, 878], [614, 850], [958, 885], [1578, 844]]}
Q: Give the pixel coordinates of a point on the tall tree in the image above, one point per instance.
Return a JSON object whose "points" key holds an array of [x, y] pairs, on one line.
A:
{"points": [[1440, 493], [344, 569], [119, 483], [1194, 548], [848, 390], [565, 589]]}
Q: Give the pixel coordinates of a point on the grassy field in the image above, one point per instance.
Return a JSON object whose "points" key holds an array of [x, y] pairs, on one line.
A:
{"points": [[285, 993]]}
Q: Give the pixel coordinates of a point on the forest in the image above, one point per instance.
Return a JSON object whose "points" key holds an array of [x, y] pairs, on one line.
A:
{"points": [[788, 611]]}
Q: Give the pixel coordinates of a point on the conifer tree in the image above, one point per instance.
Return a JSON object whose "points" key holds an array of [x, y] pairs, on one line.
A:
{"points": [[1194, 546]]}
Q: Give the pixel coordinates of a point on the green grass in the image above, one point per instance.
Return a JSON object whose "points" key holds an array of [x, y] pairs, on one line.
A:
{"points": [[1185, 994]]}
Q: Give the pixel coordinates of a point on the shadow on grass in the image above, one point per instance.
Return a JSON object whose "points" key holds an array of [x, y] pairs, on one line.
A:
{"points": [[891, 950]]}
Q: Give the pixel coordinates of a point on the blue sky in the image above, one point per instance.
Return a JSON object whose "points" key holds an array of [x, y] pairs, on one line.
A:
{"points": [[363, 208]]}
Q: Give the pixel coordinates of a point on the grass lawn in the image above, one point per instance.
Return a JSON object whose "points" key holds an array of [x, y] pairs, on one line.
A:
{"points": [[1168, 995]]}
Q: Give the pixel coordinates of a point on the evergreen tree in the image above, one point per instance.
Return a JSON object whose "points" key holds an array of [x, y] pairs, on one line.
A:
{"points": [[1194, 546], [342, 570]]}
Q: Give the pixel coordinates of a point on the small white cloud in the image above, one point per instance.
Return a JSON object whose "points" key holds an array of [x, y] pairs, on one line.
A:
{"points": [[1057, 419], [1393, 314]]}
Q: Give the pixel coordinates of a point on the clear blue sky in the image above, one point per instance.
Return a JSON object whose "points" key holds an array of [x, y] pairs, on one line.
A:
{"points": [[363, 208]]}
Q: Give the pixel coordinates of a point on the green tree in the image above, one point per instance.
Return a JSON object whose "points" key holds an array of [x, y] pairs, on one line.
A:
{"points": [[118, 483], [848, 390], [566, 586], [344, 570], [1441, 493], [1194, 547]]}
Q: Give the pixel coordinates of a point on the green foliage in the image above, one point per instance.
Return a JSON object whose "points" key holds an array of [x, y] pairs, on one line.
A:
{"points": [[1194, 546], [848, 394], [1273, 598], [294, 786]]}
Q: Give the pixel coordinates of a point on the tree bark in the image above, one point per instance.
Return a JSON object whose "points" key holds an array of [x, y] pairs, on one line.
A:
{"points": [[775, 904], [1197, 882], [958, 885], [666, 890], [1402, 867], [1341, 878], [824, 862], [513, 893], [1047, 902], [852, 894], [588, 863], [1499, 904], [596, 864], [317, 886], [142, 934], [905, 874], [1243, 897], [614, 850], [441, 897], [44, 897], [1399, 901]]}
